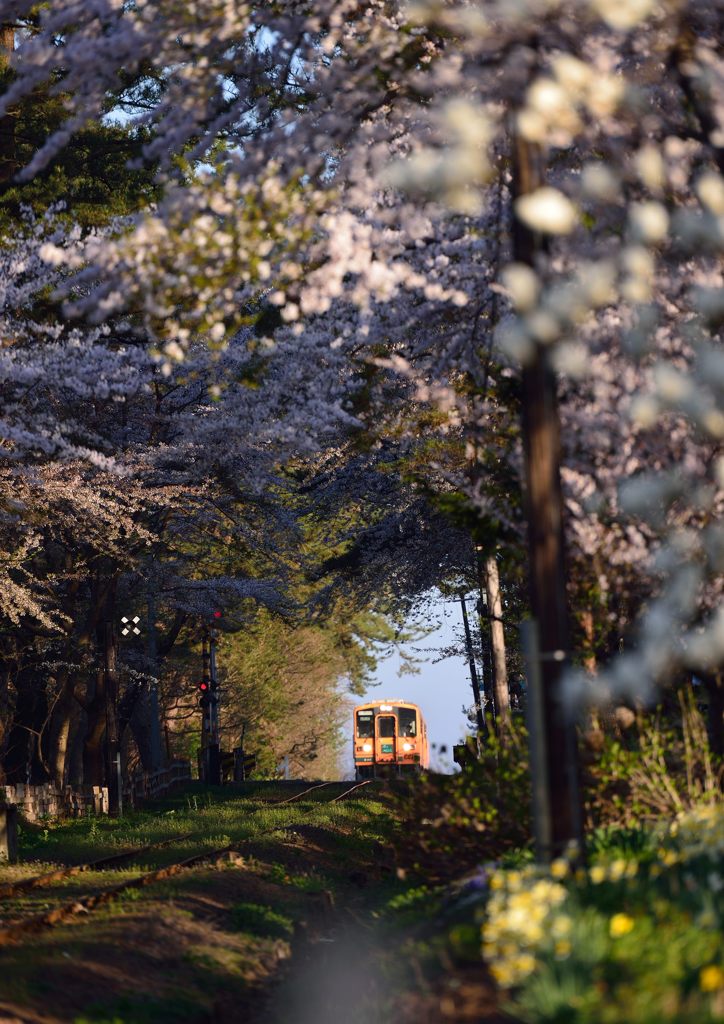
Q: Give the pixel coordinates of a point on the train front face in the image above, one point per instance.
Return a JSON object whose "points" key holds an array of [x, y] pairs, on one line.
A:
{"points": [[388, 739]]}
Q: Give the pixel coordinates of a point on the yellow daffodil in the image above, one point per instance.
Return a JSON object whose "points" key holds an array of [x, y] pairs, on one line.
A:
{"points": [[560, 868], [711, 978], [617, 870], [620, 924], [561, 926], [524, 964]]}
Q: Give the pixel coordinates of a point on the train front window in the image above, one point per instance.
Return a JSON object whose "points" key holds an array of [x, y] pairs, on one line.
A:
{"points": [[386, 726], [365, 724], [408, 721]]}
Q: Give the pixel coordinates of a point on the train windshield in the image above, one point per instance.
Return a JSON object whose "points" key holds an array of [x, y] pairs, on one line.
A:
{"points": [[365, 724], [386, 726], [408, 721]]}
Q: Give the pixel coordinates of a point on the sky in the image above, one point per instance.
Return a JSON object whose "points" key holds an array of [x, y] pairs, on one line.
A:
{"points": [[440, 688]]}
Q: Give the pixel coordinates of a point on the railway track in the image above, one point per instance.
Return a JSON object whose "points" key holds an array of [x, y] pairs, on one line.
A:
{"points": [[9, 890], [15, 931], [322, 785]]}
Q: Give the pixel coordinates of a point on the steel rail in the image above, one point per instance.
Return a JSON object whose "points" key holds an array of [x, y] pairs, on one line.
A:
{"points": [[346, 793], [298, 796], [10, 889], [86, 904]]}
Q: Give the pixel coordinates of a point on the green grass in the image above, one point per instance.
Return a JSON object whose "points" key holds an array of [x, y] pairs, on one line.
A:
{"points": [[254, 919], [312, 882], [213, 929], [220, 816], [353, 832], [141, 1010], [620, 841]]}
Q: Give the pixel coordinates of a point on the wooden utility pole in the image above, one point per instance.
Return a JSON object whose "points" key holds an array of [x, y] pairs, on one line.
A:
{"points": [[491, 582], [479, 713], [541, 444]]}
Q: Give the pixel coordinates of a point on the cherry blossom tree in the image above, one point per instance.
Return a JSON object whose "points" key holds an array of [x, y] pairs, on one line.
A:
{"points": [[496, 209]]}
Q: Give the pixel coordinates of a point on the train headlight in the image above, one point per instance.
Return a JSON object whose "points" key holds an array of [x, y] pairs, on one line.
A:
{"points": [[407, 746], [367, 748]]}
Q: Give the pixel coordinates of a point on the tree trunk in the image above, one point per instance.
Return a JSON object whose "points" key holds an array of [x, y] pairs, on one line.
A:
{"points": [[8, 158], [101, 745], [150, 704], [93, 748], [79, 728], [61, 725], [5, 717], [541, 445], [146, 729], [113, 737], [497, 643], [23, 756]]}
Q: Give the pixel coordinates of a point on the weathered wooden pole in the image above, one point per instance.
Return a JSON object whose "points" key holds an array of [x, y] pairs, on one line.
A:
{"points": [[501, 696], [541, 445]]}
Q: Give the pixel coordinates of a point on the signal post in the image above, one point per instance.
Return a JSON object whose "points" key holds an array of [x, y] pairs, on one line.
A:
{"points": [[210, 761]]}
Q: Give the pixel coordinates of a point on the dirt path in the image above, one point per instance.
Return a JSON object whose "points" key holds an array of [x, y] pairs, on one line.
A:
{"points": [[350, 967]]}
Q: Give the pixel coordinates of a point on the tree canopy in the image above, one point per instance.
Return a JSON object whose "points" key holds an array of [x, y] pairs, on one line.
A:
{"points": [[281, 347]]}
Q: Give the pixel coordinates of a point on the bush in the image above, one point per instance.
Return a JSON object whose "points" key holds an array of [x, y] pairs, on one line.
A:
{"points": [[453, 822], [659, 767]]}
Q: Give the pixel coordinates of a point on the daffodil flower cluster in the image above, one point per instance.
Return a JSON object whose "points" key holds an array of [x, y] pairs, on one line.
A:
{"points": [[600, 932], [698, 832], [525, 911]]}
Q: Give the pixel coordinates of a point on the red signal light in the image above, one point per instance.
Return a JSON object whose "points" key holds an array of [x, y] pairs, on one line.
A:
{"points": [[203, 686], [217, 614]]}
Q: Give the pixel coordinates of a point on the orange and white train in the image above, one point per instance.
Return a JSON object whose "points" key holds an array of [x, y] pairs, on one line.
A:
{"points": [[390, 738]]}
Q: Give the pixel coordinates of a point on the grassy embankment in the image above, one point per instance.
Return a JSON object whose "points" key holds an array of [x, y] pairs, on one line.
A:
{"points": [[212, 943]]}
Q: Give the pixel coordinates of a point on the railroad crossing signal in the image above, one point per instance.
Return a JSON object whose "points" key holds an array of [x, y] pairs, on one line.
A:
{"points": [[208, 694], [130, 626]]}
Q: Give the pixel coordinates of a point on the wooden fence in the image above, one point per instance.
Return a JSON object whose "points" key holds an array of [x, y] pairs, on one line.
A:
{"points": [[150, 785]]}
